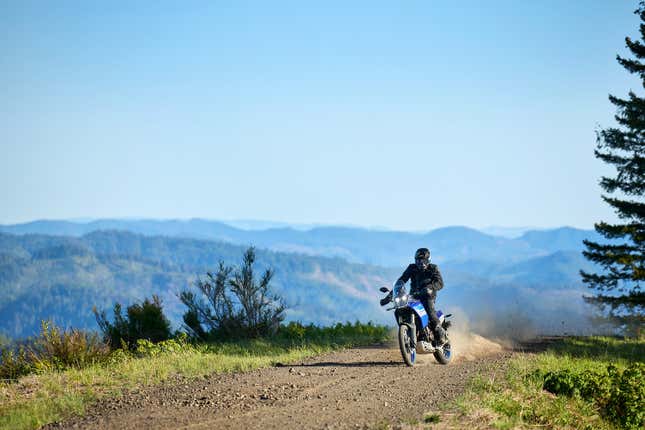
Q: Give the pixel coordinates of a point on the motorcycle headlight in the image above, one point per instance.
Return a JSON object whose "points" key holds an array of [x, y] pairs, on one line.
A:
{"points": [[401, 300]]}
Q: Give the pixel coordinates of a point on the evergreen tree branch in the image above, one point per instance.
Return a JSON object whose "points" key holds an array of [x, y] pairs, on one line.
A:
{"points": [[627, 209], [634, 231]]}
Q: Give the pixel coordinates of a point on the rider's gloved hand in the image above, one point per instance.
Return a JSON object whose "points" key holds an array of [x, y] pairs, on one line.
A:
{"points": [[422, 293]]}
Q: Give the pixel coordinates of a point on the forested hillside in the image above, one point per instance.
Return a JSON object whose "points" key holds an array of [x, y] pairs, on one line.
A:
{"points": [[62, 277]]}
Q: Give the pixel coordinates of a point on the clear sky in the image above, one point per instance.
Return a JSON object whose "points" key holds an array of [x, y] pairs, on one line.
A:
{"points": [[404, 114]]}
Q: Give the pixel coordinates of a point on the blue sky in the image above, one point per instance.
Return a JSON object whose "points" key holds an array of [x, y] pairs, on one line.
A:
{"points": [[409, 115]]}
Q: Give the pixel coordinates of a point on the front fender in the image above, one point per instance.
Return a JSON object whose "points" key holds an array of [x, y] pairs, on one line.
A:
{"points": [[404, 316]]}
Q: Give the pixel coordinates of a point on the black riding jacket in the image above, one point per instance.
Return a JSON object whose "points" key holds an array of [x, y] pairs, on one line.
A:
{"points": [[423, 281]]}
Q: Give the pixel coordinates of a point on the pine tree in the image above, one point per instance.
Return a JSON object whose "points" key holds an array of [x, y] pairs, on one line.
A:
{"points": [[618, 285]]}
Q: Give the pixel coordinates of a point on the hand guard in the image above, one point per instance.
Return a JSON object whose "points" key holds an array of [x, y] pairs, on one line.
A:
{"points": [[387, 299]]}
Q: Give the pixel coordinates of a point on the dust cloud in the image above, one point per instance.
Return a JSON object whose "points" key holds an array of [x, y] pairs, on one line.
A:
{"points": [[484, 336]]}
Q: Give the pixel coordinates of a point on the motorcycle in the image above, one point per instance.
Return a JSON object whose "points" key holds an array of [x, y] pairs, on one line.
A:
{"points": [[414, 329]]}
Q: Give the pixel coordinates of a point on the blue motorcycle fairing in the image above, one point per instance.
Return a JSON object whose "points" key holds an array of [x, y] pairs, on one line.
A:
{"points": [[417, 307]]}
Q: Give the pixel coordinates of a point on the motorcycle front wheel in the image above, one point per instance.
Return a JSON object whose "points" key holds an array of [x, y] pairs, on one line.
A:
{"points": [[405, 344]]}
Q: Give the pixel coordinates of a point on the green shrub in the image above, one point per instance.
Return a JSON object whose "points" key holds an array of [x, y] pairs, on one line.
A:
{"points": [[144, 320], [562, 382], [14, 363], [53, 349], [145, 348], [296, 332], [626, 403], [587, 384], [233, 304], [59, 349], [118, 356], [293, 330], [620, 395]]}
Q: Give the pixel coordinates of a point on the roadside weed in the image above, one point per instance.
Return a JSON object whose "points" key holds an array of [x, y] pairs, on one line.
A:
{"points": [[35, 400], [578, 383]]}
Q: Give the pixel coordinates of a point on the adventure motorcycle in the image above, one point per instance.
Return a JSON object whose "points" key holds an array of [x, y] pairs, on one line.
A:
{"points": [[414, 329]]}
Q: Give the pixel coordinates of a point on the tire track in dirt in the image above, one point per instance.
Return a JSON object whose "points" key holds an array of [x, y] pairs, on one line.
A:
{"points": [[349, 389]]}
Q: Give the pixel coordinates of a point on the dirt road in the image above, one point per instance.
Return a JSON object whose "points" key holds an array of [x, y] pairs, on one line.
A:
{"points": [[356, 388]]}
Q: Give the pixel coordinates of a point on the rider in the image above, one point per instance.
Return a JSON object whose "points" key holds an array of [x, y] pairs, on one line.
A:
{"points": [[425, 281]]}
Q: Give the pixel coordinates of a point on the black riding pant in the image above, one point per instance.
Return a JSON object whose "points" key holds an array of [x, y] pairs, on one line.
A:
{"points": [[428, 304]]}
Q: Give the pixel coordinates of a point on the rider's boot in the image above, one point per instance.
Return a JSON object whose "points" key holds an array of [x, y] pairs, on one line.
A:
{"points": [[424, 339], [439, 336]]}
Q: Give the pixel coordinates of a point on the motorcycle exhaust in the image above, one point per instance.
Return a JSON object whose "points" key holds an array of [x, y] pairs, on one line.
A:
{"points": [[427, 346]]}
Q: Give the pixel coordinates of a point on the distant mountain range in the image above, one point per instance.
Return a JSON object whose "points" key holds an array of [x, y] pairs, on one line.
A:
{"points": [[508, 232], [61, 269], [377, 247]]}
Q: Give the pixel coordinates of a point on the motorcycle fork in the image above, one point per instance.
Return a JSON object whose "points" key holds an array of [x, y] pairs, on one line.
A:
{"points": [[409, 321], [413, 339]]}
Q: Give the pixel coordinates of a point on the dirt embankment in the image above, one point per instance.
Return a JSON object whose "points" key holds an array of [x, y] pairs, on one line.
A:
{"points": [[356, 388]]}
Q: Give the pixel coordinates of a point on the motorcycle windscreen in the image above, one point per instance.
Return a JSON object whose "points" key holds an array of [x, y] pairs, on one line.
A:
{"points": [[420, 310]]}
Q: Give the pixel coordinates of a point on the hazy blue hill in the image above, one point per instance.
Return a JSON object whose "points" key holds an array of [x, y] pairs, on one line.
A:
{"points": [[507, 232], [383, 248], [463, 244], [560, 239], [558, 270], [553, 270], [183, 228], [389, 248], [54, 227], [369, 246], [253, 224]]}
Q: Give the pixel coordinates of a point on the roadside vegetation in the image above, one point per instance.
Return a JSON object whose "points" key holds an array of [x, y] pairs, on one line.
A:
{"points": [[591, 383], [52, 392], [233, 304], [234, 323], [577, 383]]}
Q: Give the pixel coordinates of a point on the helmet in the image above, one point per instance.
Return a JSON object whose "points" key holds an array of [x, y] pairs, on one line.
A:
{"points": [[422, 258]]}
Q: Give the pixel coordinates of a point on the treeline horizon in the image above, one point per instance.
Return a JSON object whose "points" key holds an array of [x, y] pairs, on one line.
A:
{"points": [[62, 277]]}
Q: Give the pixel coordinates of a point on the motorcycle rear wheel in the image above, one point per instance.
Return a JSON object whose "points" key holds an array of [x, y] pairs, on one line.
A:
{"points": [[405, 344], [443, 355]]}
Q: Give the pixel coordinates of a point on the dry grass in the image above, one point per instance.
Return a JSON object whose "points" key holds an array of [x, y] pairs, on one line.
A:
{"points": [[36, 400]]}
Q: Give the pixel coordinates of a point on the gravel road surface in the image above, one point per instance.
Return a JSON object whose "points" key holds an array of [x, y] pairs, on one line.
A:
{"points": [[350, 389]]}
